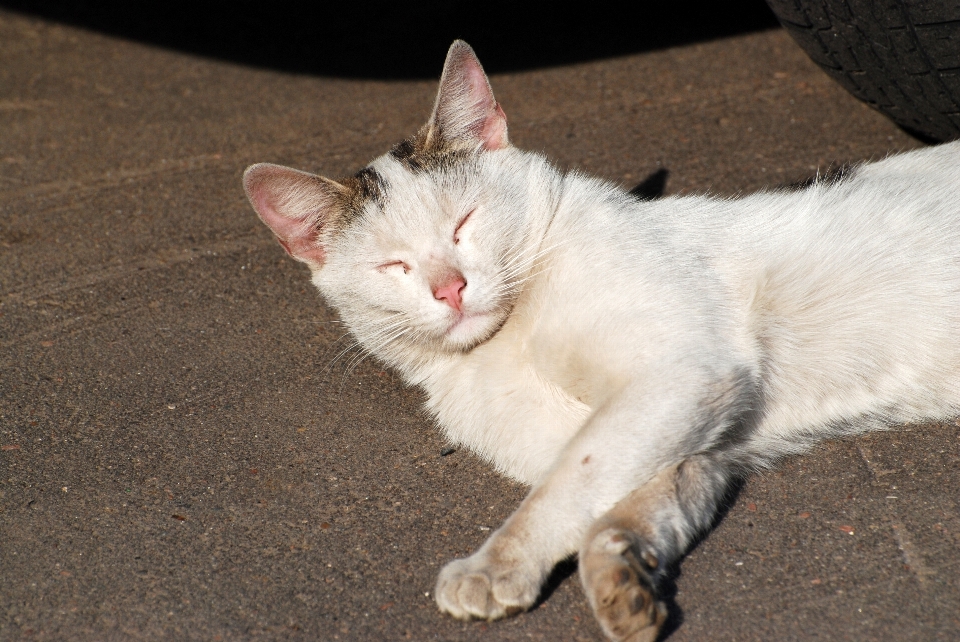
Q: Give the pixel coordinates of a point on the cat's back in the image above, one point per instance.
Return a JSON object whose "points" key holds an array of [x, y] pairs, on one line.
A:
{"points": [[851, 291], [844, 297], [840, 300]]}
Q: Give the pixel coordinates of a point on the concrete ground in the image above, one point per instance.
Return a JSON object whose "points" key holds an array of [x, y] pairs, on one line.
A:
{"points": [[182, 454]]}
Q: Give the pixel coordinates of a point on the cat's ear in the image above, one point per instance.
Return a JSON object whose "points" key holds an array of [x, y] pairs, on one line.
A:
{"points": [[297, 206], [465, 110]]}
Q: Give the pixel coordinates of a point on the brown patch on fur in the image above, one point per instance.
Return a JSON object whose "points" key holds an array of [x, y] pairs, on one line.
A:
{"points": [[621, 591], [364, 186], [650, 560], [427, 150], [633, 512]]}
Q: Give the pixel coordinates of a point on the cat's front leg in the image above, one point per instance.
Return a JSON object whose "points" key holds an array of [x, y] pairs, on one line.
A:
{"points": [[502, 578], [621, 447], [505, 575], [625, 552]]}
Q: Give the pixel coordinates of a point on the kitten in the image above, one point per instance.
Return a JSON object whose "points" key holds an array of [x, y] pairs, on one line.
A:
{"points": [[626, 359]]}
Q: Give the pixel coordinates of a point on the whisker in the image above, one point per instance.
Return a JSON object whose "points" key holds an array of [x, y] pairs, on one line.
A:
{"points": [[389, 324], [356, 360], [521, 263], [336, 342], [389, 330]]}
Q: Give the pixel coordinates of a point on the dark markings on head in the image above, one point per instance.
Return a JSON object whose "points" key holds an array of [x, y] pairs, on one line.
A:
{"points": [[364, 186], [834, 174], [428, 150]]}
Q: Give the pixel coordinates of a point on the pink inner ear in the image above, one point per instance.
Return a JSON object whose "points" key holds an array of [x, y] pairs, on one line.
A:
{"points": [[278, 196], [492, 128], [494, 132], [263, 201], [466, 109]]}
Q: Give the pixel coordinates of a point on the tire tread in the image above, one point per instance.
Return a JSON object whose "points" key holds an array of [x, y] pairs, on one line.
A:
{"points": [[901, 57]]}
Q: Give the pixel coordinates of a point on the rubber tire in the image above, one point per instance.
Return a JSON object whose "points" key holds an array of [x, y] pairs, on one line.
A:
{"points": [[901, 57]]}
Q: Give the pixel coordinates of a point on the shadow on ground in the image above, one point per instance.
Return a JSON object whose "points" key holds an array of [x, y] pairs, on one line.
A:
{"points": [[393, 40]]}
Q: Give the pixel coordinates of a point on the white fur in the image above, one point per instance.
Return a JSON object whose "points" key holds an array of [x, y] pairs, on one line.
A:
{"points": [[831, 309], [647, 332], [605, 341]]}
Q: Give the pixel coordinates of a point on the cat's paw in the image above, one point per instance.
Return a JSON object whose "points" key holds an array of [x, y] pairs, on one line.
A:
{"points": [[480, 588], [618, 571]]}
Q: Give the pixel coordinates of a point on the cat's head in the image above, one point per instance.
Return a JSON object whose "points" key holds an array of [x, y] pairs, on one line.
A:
{"points": [[425, 248]]}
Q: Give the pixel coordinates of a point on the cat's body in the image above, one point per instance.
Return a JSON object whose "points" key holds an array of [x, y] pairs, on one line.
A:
{"points": [[627, 358], [828, 310]]}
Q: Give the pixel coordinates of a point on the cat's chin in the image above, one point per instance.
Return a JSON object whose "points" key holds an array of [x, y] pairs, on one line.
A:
{"points": [[471, 329]]}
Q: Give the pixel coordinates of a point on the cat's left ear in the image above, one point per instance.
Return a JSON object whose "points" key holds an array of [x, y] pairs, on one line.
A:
{"points": [[465, 110]]}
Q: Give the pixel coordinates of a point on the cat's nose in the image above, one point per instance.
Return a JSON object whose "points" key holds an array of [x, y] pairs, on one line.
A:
{"points": [[450, 292]]}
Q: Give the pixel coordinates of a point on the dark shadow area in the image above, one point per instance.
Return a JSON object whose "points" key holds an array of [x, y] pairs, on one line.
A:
{"points": [[926, 139], [652, 187], [668, 593], [397, 40], [557, 576], [668, 583]]}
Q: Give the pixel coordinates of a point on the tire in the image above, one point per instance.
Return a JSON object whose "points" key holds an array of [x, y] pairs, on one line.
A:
{"points": [[901, 57]]}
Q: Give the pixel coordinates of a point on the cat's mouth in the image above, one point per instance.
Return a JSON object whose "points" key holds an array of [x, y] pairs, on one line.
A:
{"points": [[464, 321], [470, 328]]}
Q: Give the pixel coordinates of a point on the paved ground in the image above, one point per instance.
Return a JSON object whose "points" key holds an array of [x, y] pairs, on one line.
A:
{"points": [[183, 457]]}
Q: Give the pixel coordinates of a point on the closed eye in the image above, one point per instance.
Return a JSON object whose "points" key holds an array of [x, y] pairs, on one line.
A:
{"points": [[463, 221], [394, 264]]}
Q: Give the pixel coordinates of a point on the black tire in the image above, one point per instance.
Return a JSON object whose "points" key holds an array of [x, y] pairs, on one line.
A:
{"points": [[901, 57]]}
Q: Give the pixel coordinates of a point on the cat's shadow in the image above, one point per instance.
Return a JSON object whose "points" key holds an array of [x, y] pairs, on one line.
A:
{"points": [[668, 583], [652, 187], [395, 40], [668, 587]]}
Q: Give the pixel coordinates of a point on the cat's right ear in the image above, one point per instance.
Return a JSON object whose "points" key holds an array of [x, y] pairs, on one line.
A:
{"points": [[297, 206]]}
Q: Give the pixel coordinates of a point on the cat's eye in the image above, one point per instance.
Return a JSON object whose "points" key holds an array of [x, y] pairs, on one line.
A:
{"points": [[394, 264], [463, 221]]}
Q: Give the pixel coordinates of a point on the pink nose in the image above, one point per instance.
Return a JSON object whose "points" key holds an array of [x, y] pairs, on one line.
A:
{"points": [[450, 291]]}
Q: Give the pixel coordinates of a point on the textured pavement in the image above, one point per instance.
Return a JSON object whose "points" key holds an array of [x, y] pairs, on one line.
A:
{"points": [[189, 448]]}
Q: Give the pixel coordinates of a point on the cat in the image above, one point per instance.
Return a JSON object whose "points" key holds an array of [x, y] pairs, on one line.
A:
{"points": [[627, 359]]}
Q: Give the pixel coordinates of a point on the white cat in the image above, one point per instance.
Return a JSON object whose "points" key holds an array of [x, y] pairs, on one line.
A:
{"points": [[626, 359]]}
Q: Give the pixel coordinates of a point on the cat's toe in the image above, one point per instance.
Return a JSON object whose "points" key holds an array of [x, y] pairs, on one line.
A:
{"points": [[618, 576], [469, 589], [466, 596]]}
